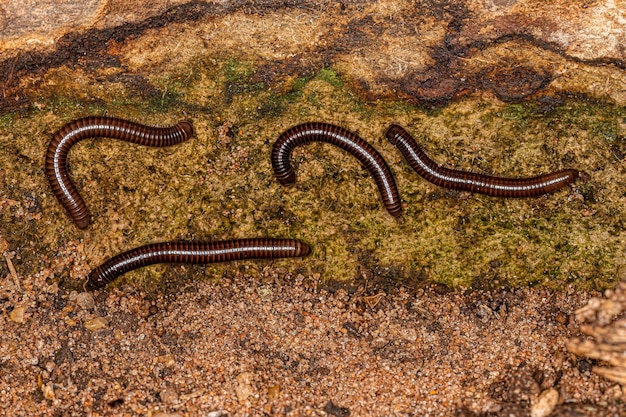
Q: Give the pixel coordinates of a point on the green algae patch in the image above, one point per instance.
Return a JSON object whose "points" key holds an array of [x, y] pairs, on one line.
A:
{"points": [[220, 185]]}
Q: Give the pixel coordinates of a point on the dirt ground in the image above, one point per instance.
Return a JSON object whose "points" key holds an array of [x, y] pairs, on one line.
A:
{"points": [[277, 344]]}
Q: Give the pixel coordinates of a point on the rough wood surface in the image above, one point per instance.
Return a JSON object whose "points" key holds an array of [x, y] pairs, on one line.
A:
{"points": [[426, 51]]}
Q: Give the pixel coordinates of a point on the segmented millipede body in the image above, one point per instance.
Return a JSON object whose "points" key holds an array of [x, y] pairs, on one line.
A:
{"points": [[99, 127], [472, 181], [195, 253], [348, 141]]}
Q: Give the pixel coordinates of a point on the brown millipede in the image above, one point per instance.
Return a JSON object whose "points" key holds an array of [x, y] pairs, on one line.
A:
{"points": [[472, 181], [344, 139], [195, 253], [104, 127]]}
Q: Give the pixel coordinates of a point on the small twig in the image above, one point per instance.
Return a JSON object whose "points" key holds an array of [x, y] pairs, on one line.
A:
{"points": [[373, 300], [7, 82], [4, 248], [12, 270]]}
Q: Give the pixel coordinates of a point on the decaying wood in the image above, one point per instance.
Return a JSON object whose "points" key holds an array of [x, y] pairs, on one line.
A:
{"points": [[606, 329]]}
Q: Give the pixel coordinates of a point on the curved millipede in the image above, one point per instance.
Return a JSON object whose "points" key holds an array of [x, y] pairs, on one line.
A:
{"points": [[472, 181], [102, 127], [194, 253], [344, 139]]}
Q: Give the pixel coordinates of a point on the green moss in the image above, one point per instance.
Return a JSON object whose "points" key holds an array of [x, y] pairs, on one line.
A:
{"points": [[299, 84], [168, 95], [60, 103], [518, 111], [236, 71], [331, 77], [6, 120], [220, 185]]}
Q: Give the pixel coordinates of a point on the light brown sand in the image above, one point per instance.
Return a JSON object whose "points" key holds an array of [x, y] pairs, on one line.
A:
{"points": [[278, 344]]}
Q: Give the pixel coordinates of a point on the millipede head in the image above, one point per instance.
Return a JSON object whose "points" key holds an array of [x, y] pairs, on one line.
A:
{"points": [[187, 127], [91, 284], [97, 278], [287, 179], [304, 249], [393, 132], [82, 222]]}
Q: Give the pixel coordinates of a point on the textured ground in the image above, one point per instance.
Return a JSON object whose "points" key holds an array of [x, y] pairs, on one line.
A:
{"points": [[274, 344]]}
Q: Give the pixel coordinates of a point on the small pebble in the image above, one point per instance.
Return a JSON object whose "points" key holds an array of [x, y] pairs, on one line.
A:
{"points": [[48, 391], [244, 386], [85, 301], [118, 334], [169, 396], [50, 365], [273, 392], [408, 334], [167, 360], [265, 293], [17, 315], [96, 324], [217, 413], [545, 403]]}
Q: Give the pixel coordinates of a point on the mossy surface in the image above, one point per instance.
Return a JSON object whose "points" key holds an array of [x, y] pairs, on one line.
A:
{"points": [[220, 184]]}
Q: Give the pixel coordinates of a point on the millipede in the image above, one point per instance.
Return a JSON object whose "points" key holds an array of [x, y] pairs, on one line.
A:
{"points": [[369, 157], [472, 181], [103, 127], [194, 253]]}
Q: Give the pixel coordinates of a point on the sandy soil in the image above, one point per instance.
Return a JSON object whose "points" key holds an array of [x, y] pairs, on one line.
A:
{"points": [[278, 344]]}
